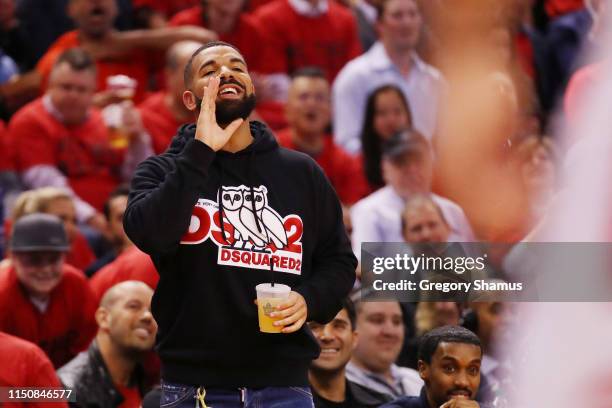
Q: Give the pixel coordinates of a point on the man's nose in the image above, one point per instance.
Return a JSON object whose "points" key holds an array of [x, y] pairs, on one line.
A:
{"points": [[461, 379]]}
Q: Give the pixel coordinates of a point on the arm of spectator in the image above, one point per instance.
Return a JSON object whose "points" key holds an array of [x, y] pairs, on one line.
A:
{"points": [[140, 146], [333, 262], [348, 97], [363, 220], [162, 38], [20, 89]]}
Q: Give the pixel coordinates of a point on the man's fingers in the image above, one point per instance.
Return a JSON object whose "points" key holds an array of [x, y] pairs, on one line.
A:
{"points": [[287, 312], [294, 327], [298, 315]]}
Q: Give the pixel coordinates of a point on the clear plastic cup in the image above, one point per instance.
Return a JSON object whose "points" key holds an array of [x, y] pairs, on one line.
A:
{"points": [[268, 297]]}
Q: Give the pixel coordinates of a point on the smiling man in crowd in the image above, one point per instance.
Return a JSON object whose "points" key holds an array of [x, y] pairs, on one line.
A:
{"points": [[449, 364]]}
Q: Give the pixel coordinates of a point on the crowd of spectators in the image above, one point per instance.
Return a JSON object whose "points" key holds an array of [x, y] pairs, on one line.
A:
{"points": [[367, 88]]}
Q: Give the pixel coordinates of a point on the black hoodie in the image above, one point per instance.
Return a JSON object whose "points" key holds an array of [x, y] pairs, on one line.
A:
{"points": [[208, 327]]}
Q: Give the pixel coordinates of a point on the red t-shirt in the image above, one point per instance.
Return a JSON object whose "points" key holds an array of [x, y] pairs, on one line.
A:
{"points": [[343, 170], [131, 396], [64, 329], [328, 41], [247, 35], [82, 152], [7, 155], [159, 121], [25, 365], [132, 264], [133, 64]]}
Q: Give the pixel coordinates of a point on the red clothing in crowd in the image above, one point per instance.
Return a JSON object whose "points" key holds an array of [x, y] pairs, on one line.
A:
{"points": [[81, 152], [7, 154], [132, 264], [25, 365], [555, 8], [131, 396], [133, 64], [159, 121], [343, 170], [328, 41], [247, 36], [167, 8], [67, 325]]}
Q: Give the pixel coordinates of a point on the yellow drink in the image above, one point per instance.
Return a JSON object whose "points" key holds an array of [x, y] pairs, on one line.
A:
{"points": [[265, 306], [268, 298]]}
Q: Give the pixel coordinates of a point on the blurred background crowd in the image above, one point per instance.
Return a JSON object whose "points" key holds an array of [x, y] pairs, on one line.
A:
{"points": [[434, 120]]}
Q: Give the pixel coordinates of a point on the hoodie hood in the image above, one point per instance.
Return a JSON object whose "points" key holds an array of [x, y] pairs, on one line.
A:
{"points": [[263, 140]]}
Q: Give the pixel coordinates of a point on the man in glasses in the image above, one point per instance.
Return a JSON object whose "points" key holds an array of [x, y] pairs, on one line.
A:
{"points": [[42, 299]]}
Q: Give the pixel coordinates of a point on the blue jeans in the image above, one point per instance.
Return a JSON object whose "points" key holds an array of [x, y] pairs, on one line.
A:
{"points": [[185, 396]]}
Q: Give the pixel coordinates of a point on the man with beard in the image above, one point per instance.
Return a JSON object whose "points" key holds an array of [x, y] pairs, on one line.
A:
{"points": [[328, 382], [223, 210], [109, 374], [449, 364]]}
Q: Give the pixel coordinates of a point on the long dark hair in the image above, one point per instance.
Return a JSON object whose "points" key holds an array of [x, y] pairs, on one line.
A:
{"points": [[371, 142]]}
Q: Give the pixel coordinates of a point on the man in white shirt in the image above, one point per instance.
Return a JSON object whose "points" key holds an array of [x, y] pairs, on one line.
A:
{"points": [[391, 60], [407, 170], [380, 327]]}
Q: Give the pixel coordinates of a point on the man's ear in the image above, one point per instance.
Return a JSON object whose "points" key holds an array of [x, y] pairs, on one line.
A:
{"points": [[103, 318], [190, 101], [355, 339], [423, 368]]}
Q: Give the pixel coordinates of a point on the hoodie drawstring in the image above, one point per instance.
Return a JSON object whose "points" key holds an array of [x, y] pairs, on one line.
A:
{"points": [[251, 170]]}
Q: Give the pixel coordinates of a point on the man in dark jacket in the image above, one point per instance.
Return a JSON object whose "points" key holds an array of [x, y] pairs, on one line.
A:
{"points": [[109, 374], [327, 375], [225, 209], [449, 364]]}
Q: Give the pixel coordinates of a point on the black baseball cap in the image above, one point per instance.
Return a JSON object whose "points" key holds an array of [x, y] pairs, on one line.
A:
{"points": [[39, 232], [404, 143]]}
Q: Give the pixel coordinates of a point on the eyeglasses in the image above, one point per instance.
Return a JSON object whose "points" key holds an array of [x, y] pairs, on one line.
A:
{"points": [[39, 258]]}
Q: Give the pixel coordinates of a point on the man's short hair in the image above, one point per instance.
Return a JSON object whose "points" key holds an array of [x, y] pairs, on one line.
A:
{"points": [[121, 190], [406, 142], [445, 334], [309, 72], [187, 75], [77, 58], [349, 306], [382, 4], [418, 201]]}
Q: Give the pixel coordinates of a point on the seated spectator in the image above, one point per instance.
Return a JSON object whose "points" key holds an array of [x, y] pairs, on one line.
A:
{"points": [[308, 113], [132, 264], [109, 373], [407, 170], [42, 299], [449, 364], [163, 112], [380, 327], [386, 113], [302, 33], [113, 211], [58, 202], [328, 382], [392, 60], [132, 53], [61, 140], [24, 364]]}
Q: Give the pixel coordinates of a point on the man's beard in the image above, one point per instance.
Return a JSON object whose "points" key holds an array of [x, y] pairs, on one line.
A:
{"points": [[227, 111]]}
